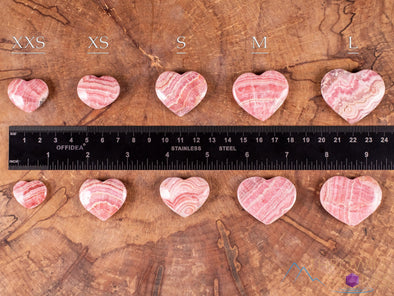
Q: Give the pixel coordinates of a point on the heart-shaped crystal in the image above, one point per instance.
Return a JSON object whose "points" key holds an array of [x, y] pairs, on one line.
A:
{"points": [[352, 95], [28, 95], [350, 201], [267, 200], [102, 199], [184, 197], [261, 95], [181, 93], [30, 194], [98, 92]]}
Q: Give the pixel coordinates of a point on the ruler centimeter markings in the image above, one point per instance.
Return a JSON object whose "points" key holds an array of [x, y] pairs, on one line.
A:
{"points": [[201, 148]]}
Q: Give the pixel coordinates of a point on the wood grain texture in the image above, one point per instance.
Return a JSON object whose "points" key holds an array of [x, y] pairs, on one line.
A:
{"points": [[145, 249]]}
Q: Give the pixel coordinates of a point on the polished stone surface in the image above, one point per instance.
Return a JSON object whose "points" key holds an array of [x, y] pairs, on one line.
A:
{"points": [[261, 95], [350, 201], [30, 194], [98, 92], [267, 200], [352, 95], [102, 199], [28, 95], [181, 93], [184, 197]]}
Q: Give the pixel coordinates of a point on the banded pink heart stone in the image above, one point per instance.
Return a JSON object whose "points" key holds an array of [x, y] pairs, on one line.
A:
{"points": [[184, 197], [30, 194], [98, 92], [350, 201], [267, 200], [261, 95], [352, 95], [102, 199], [181, 93], [28, 95]]}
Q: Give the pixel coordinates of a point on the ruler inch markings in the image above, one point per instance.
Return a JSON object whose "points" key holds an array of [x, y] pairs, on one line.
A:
{"points": [[227, 152]]}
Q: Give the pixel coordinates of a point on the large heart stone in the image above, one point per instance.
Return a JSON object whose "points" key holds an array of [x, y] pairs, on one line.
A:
{"points": [[184, 197], [28, 95], [267, 200], [102, 199], [181, 93], [30, 194], [350, 201], [352, 95], [261, 95], [98, 92]]}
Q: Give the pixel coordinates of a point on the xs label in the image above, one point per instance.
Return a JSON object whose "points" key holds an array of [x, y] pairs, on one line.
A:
{"points": [[99, 42]]}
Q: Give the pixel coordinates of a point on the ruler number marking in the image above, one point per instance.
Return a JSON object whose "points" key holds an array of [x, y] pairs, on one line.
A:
{"points": [[51, 150], [384, 139]]}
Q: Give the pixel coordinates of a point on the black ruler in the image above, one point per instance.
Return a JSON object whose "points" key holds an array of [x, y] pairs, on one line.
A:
{"points": [[201, 147]]}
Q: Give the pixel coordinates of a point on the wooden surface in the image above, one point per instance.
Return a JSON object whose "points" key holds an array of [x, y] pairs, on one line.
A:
{"points": [[146, 249]]}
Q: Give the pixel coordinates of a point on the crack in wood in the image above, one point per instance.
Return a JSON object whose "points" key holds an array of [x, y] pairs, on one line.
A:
{"points": [[44, 212], [50, 11], [351, 18], [377, 56], [157, 282], [7, 221], [111, 12], [231, 254], [330, 244], [6, 45], [14, 73], [60, 282], [92, 115], [216, 287]]}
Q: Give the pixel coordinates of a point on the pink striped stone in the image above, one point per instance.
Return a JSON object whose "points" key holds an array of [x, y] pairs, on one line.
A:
{"points": [[184, 197], [267, 200], [352, 95], [350, 201], [28, 95], [261, 95], [181, 93], [30, 194], [98, 92], [102, 199]]}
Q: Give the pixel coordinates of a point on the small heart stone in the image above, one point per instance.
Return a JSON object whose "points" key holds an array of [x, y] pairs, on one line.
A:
{"points": [[184, 197], [98, 92], [267, 200], [352, 95], [181, 93], [30, 194], [102, 199], [351, 201], [28, 95], [261, 95]]}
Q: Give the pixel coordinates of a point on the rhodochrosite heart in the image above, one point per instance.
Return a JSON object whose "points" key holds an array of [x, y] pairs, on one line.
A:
{"points": [[30, 194], [352, 95], [102, 199], [28, 95], [98, 92], [184, 197], [350, 201], [181, 93], [267, 200], [261, 95]]}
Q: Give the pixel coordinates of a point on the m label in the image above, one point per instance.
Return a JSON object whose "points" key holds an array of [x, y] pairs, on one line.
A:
{"points": [[262, 44]]}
